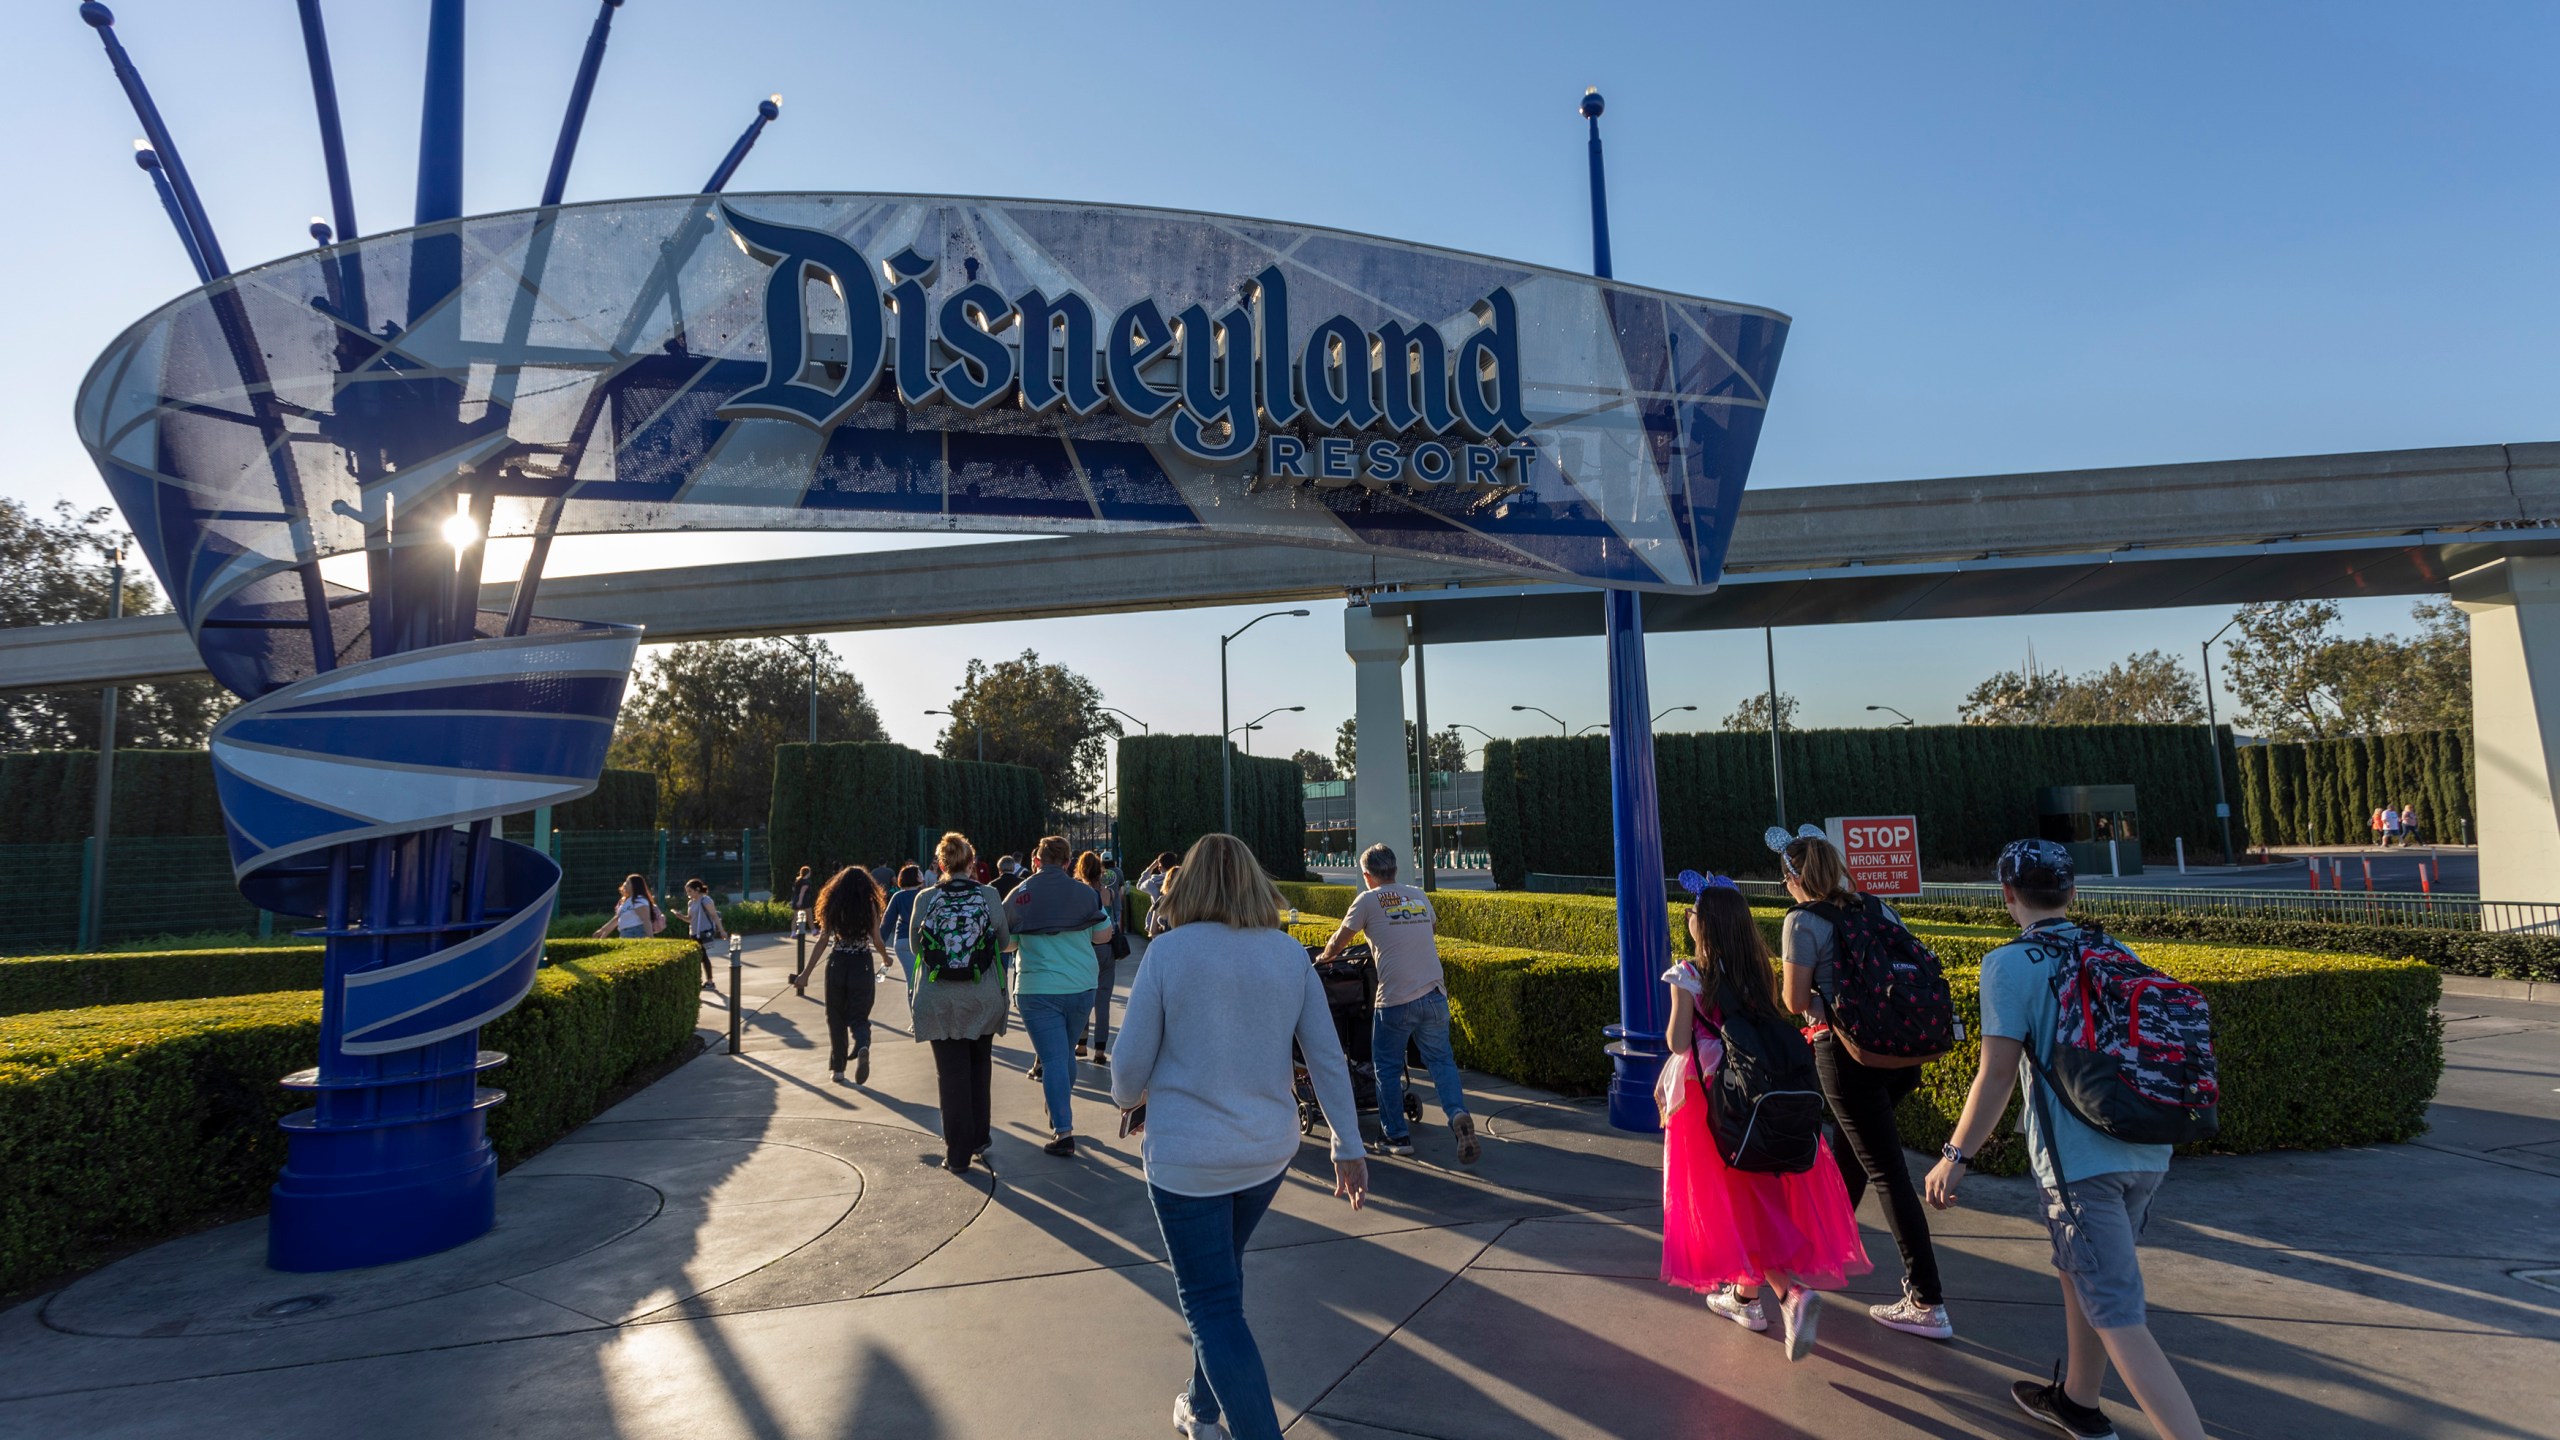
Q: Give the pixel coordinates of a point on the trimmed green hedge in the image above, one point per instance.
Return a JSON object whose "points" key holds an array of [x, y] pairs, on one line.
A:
{"points": [[2494, 954], [1546, 799], [129, 977], [861, 803], [1169, 797], [48, 796], [122, 1122], [622, 800], [2324, 792]]}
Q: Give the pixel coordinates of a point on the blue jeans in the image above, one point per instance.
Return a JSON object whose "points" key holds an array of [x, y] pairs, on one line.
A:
{"points": [[1053, 1022], [1426, 1022], [1205, 1235]]}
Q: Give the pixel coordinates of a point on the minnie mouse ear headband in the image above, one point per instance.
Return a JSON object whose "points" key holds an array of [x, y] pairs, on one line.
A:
{"points": [[1778, 840], [1697, 884]]}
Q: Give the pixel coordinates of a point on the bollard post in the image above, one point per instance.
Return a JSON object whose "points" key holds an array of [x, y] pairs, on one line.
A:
{"points": [[2311, 871], [2182, 854], [2368, 876], [2115, 859], [737, 947]]}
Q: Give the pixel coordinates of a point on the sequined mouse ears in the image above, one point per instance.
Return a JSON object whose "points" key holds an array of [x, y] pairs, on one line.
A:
{"points": [[1778, 840], [1697, 884]]}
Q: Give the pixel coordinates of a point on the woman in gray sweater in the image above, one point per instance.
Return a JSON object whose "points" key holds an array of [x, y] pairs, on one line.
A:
{"points": [[1204, 1047]]}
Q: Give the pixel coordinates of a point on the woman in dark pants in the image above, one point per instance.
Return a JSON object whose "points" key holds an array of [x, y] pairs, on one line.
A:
{"points": [[1862, 1097], [849, 917], [957, 994], [1106, 960]]}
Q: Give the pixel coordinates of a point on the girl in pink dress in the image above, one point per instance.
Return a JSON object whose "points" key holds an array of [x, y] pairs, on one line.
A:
{"points": [[1728, 1232]]}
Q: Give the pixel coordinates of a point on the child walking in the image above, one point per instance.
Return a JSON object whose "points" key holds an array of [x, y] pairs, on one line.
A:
{"points": [[1728, 1231]]}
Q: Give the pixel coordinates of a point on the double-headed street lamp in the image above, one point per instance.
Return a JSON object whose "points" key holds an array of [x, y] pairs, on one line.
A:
{"points": [[1255, 723], [979, 731], [1226, 763], [1561, 727]]}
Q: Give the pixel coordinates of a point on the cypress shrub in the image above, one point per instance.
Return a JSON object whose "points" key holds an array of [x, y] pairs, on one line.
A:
{"points": [[861, 803], [2324, 792], [49, 796], [1169, 797]]}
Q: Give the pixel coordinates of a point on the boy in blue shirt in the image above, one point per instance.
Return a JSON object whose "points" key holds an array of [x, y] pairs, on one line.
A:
{"points": [[2095, 1189]]}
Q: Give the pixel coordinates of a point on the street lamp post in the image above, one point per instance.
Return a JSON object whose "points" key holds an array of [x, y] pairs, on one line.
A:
{"points": [[1587, 729], [1256, 722], [1226, 765], [1125, 715], [1674, 710], [2213, 740], [1562, 729], [1900, 718], [974, 728], [93, 922], [809, 652]]}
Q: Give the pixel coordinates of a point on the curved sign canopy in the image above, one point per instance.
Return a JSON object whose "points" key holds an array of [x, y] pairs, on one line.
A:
{"points": [[875, 362]]}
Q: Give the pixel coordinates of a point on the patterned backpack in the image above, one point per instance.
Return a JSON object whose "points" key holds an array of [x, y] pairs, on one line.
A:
{"points": [[1888, 1001], [956, 939], [2132, 1049]]}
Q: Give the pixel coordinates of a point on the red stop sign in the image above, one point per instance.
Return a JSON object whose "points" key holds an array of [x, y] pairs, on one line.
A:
{"points": [[1883, 852]]}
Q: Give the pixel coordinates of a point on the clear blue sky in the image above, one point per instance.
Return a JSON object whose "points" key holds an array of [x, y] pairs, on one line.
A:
{"points": [[2013, 237]]}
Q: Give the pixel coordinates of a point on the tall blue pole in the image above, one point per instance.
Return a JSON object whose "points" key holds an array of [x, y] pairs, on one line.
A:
{"points": [[144, 156], [1636, 1048], [767, 111], [574, 120], [101, 19], [333, 140]]}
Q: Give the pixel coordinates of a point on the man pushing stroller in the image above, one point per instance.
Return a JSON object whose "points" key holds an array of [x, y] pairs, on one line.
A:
{"points": [[1413, 1000]]}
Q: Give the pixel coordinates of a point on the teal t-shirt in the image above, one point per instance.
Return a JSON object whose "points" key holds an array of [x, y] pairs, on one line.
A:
{"points": [[2018, 1004], [1059, 964]]}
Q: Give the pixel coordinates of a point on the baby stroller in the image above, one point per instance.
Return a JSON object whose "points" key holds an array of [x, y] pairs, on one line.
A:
{"points": [[1351, 994]]}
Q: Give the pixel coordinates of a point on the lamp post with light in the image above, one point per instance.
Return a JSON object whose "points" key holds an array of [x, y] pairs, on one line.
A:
{"points": [[1561, 727], [974, 727], [1226, 763], [1900, 719]]}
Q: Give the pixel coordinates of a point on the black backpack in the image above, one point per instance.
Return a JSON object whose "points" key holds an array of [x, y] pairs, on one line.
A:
{"points": [[1765, 1104], [1888, 999]]}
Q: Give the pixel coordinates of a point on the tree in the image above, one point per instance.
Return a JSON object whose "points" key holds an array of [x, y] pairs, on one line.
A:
{"points": [[1448, 748], [705, 717], [54, 572], [2152, 688], [2283, 669], [2298, 679], [1753, 714], [1045, 716], [1315, 766]]}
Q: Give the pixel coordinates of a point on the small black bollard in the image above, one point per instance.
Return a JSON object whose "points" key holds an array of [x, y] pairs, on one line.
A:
{"points": [[737, 962]]}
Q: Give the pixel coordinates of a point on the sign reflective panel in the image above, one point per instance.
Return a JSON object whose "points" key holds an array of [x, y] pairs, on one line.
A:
{"points": [[1883, 852]]}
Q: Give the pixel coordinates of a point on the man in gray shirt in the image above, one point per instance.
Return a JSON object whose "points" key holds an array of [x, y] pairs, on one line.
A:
{"points": [[1413, 999]]}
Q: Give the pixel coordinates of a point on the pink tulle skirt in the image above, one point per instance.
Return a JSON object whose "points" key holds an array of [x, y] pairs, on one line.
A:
{"points": [[1731, 1227]]}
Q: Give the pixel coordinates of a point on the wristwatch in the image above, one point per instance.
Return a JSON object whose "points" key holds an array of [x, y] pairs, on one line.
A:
{"points": [[1954, 1154]]}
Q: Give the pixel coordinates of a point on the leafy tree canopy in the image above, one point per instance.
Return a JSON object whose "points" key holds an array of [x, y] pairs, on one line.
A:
{"points": [[2299, 679], [54, 572], [1032, 713], [1753, 714], [2152, 688], [1317, 767], [704, 717], [1448, 750]]}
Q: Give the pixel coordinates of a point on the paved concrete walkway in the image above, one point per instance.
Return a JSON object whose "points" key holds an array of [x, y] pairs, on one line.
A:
{"points": [[747, 1249]]}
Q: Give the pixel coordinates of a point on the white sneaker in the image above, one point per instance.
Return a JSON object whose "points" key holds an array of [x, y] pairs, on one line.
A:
{"points": [[1748, 1314], [1802, 1311], [1911, 1317], [1191, 1427]]}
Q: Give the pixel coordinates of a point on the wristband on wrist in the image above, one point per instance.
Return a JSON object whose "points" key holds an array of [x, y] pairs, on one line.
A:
{"points": [[1950, 1152]]}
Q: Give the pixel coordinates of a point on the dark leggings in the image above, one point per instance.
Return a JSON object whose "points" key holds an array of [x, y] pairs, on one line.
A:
{"points": [[851, 987], [1862, 1100], [964, 1069]]}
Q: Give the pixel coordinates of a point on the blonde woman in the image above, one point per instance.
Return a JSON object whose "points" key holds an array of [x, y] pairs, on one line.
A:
{"points": [[1204, 1047], [957, 994]]}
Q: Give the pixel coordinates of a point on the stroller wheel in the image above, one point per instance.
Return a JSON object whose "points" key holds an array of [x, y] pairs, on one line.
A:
{"points": [[1412, 1106]]}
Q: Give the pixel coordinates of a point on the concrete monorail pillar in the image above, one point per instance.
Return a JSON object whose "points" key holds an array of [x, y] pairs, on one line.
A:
{"points": [[2514, 605], [1382, 810]]}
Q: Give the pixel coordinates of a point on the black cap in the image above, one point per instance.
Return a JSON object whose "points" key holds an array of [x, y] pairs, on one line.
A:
{"points": [[2036, 864]]}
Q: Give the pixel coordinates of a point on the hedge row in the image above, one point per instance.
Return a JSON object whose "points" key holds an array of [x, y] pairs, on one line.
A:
{"points": [[2324, 792], [127, 1121], [2491, 953], [2316, 1049], [1169, 797], [34, 983], [862, 803], [1973, 786], [750, 917], [622, 800]]}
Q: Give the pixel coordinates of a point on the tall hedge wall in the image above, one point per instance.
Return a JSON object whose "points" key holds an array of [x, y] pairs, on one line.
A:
{"points": [[2324, 792], [1169, 798], [1973, 786], [861, 803], [47, 796]]}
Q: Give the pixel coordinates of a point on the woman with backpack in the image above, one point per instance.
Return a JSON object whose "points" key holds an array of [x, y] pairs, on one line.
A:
{"points": [[702, 921], [896, 922], [1831, 938], [848, 919], [1731, 1226], [957, 994]]}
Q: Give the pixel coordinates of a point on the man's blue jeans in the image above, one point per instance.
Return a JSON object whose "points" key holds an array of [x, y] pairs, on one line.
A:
{"points": [[1053, 1022], [1205, 1235], [1426, 1023]]}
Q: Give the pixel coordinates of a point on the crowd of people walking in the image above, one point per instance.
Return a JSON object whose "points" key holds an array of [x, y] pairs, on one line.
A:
{"points": [[1778, 1099]]}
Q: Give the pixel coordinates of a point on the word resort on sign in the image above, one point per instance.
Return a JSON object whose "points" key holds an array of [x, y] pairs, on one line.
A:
{"points": [[1883, 852], [1236, 381]]}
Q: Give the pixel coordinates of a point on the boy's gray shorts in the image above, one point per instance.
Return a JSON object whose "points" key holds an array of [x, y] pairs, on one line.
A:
{"points": [[2094, 1238]]}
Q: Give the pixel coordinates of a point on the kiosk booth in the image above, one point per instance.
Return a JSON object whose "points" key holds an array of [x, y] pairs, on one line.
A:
{"points": [[2101, 824]]}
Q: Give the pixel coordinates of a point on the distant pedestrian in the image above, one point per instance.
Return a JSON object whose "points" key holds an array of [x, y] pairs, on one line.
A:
{"points": [[1203, 1069], [1160, 914], [1093, 870], [1862, 1096], [2095, 1190], [1057, 922], [2390, 827], [885, 875], [635, 915], [702, 921], [1413, 1000], [2409, 824], [982, 872], [2374, 823], [897, 923], [849, 919], [804, 894], [1727, 1230], [1008, 875], [957, 995]]}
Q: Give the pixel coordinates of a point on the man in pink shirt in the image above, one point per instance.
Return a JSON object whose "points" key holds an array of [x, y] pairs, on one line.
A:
{"points": [[1413, 1001]]}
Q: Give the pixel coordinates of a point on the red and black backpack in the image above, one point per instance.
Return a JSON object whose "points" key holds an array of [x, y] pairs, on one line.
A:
{"points": [[1888, 1002], [2132, 1049]]}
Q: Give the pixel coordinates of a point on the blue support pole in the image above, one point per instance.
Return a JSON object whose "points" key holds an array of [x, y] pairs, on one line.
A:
{"points": [[574, 120], [101, 19], [324, 100], [149, 160], [767, 111], [1636, 1047]]}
